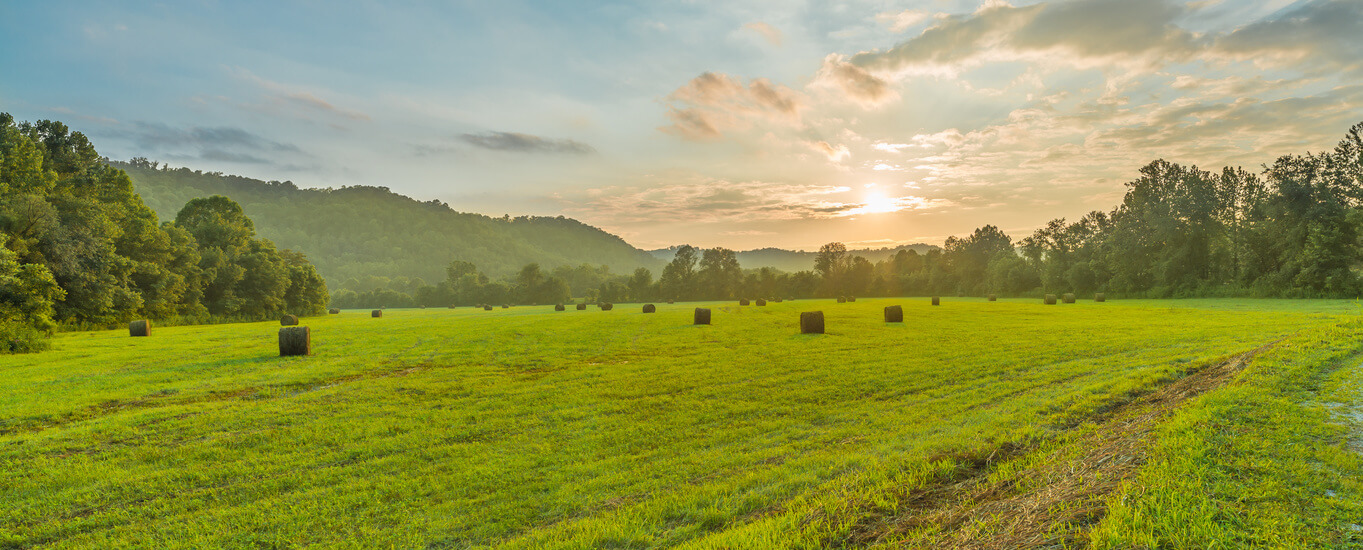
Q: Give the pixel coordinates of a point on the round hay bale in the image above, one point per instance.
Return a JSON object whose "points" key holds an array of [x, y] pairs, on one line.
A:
{"points": [[606, 306], [993, 297], [669, 301], [1068, 298], [581, 307], [295, 341], [936, 300], [761, 302], [650, 308], [851, 299], [702, 316], [743, 301], [487, 308], [560, 307], [289, 320], [894, 314], [1049, 299], [811, 322], [1099, 297], [334, 311], [842, 299], [140, 327], [376, 313]]}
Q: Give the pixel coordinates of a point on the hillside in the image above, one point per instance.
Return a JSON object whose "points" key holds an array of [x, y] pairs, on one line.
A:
{"points": [[371, 231], [792, 261]]}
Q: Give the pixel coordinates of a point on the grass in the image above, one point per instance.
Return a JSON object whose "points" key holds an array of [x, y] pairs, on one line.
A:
{"points": [[529, 428]]}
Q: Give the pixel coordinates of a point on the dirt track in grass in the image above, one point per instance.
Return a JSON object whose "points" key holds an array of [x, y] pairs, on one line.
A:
{"points": [[1056, 495]]}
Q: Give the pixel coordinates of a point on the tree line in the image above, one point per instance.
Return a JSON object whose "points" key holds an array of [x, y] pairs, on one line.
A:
{"points": [[79, 248], [1290, 230]]}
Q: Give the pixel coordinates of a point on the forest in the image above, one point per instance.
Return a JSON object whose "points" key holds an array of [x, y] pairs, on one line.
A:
{"points": [[79, 248]]}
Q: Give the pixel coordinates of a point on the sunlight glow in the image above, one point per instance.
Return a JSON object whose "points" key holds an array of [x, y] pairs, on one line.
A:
{"points": [[878, 203]]}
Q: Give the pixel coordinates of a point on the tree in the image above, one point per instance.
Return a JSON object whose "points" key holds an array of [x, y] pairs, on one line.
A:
{"points": [[641, 285], [307, 292], [719, 275], [28, 293], [678, 279]]}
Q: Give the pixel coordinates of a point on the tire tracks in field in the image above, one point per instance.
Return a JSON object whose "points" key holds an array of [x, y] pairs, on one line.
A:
{"points": [[1049, 503]]}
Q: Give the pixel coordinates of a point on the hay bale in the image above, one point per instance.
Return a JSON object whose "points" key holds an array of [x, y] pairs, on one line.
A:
{"points": [[761, 302], [894, 314], [289, 320], [936, 301], [842, 299], [1068, 298], [295, 341], [743, 301], [1099, 297], [702, 316], [376, 313], [993, 297], [606, 306], [335, 311], [487, 308], [1049, 299], [560, 307], [141, 327], [582, 306], [811, 322], [669, 301], [650, 308], [851, 299], [505, 306]]}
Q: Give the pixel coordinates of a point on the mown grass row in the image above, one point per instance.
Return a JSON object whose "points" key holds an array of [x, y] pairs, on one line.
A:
{"points": [[530, 428]]}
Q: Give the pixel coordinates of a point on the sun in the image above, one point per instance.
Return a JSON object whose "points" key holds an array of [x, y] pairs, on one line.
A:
{"points": [[877, 203]]}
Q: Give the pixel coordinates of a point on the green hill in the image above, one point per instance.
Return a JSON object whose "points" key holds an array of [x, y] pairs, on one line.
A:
{"points": [[354, 232]]}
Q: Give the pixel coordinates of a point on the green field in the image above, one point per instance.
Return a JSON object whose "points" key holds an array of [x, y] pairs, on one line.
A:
{"points": [[527, 428]]}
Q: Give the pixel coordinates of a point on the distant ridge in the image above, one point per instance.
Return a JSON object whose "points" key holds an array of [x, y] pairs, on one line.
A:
{"points": [[361, 231], [797, 260]]}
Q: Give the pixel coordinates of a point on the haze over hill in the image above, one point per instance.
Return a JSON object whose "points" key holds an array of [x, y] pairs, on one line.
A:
{"points": [[360, 231]]}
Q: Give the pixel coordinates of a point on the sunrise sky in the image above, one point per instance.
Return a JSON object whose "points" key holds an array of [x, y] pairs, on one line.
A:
{"points": [[738, 124]]}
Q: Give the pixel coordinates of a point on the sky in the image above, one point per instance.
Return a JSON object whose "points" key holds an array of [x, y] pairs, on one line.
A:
{"points": [[742, 124]]}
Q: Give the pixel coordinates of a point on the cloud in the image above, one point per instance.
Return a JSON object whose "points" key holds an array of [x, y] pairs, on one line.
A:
{"points": [[215, 143], [902, 20], [715, 103], [1320, 36], [853, 83], [713, 201], [770, 33], [292, 100], [1120, 37], [834, 154], [1084, 33], [747, 233], [525, 143]]}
